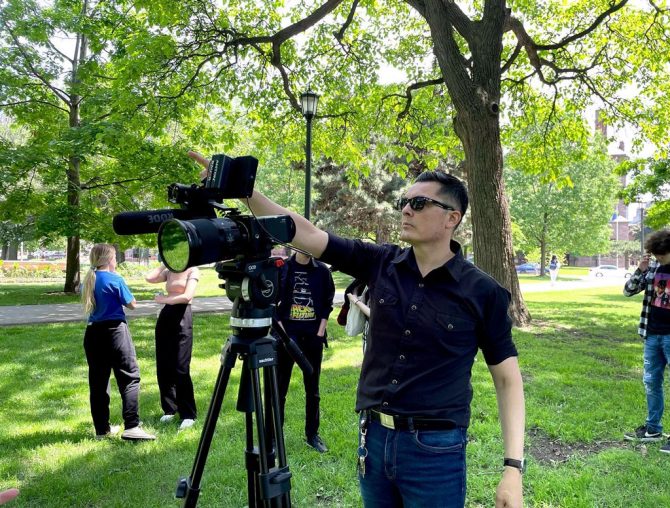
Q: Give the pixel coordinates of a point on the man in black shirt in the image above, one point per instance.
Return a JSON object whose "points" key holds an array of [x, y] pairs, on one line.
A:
{"points": [[652, 278], [430, 313], [306, 292]]}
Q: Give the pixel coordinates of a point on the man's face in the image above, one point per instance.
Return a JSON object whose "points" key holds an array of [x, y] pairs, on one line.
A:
{"points": [[432, 223], [663, 259]]}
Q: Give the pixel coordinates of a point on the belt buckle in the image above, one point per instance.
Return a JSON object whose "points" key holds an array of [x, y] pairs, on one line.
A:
{"points": [[387, 421]]}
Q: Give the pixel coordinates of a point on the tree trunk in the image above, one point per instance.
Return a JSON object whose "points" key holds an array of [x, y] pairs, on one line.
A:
{"points": [[120, 254], [474, 88], [543, 242], [13, 250], [491, 223], [72, 263]]}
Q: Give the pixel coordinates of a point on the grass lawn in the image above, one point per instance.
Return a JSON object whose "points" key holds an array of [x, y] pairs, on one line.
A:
{"points": [[581, 361]]}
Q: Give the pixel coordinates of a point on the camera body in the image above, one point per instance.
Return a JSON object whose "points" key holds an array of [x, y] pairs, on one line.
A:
{"points": [[227, 178], [196, 234]]}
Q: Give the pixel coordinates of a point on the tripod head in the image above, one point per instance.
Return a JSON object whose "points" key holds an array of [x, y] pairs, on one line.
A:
{"points": [[252, 286]]}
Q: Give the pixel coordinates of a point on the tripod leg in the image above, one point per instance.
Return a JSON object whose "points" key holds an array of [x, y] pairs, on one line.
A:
{"points": [[271, 485], [189, 488], [272, 387], [247, 404]]}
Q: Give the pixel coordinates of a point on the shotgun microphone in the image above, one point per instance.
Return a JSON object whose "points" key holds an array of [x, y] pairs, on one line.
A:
{"points": [[148, 221]]}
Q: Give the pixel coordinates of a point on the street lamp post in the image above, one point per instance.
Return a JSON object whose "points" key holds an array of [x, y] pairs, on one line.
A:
{"points": [[641, 230], [308, 103]]}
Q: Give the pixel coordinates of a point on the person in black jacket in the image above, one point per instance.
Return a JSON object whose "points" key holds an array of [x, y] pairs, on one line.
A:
{"points": [[306, 293]]}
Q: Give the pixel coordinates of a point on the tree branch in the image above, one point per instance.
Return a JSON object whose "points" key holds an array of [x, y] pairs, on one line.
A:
{"points": [[408, 93], [418, 5], [512, 58], [232, 40], [459, 20], [109, 184], [292, 30], [30, 101], [579, 35], [340, 35], [59, 94]]}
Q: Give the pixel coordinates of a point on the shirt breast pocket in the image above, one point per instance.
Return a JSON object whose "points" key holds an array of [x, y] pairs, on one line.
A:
{"points": [[456, 330], [384, 310]]}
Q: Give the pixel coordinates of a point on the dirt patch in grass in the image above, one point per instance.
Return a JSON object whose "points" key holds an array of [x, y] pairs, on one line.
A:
{"points": [[548, 451]]}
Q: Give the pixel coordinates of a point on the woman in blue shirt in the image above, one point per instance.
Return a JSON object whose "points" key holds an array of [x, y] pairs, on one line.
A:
{"points": [[109, 346]]}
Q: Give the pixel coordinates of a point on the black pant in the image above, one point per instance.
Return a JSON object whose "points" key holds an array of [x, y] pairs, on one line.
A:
{"points": [[174, 344], [108, 347], [312, 348]]}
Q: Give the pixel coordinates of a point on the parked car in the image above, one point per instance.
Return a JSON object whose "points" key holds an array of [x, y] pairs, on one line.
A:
{"points": [[533, 268], [609, 271]]}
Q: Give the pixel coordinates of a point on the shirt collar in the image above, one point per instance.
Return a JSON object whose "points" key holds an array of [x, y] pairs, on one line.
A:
{"points": [[312, 262], [454, 266]]}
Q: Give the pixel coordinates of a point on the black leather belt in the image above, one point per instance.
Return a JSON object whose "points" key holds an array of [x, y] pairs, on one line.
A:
{"points": [[396, 422]]}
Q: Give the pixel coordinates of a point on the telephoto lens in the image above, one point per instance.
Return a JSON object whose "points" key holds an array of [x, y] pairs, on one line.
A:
{"points": [[183, 244]]}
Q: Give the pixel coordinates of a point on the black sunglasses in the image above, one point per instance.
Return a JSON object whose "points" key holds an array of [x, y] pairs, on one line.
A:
{"points": [[418, 202]]}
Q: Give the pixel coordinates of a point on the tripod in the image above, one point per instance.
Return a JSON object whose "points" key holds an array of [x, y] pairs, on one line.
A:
{"points": [[253, 287]]}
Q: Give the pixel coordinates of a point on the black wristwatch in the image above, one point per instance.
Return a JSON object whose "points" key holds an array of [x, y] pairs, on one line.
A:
{"points": [[519, 464]]}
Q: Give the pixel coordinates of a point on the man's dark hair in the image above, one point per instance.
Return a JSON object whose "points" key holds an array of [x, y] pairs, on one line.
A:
{"points": [[658, 242], [451, 187]]}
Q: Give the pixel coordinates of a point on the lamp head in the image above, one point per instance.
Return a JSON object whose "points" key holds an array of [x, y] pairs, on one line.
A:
{"points": [[308, 103]]}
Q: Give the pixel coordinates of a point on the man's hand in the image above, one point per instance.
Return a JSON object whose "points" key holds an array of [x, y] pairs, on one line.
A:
{"points": [[202, 160], [509, 493], [644, 264], [7, 495]]}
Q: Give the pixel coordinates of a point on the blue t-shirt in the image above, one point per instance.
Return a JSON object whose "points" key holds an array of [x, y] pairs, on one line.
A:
{"points": [[111, 294]]}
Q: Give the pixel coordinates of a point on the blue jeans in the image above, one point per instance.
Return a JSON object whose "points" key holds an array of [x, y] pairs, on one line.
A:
{"points": [[414, 469], [656, 356]]}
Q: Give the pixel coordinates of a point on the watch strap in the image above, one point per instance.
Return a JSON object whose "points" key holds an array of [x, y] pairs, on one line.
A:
{"points": [[518, 464]]}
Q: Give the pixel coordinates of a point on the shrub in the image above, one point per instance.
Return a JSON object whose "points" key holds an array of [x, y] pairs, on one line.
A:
{"points": [[18, 270], [134, 270]]}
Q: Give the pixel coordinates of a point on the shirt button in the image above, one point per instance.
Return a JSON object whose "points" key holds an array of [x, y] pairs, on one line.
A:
{"points": [[402, 357], [450, 326], [395, 381], [381, 300], [413, 307], [420, 284], [407, 332], [385, 404]]}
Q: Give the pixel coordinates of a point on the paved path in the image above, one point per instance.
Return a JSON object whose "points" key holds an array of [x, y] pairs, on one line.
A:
{"points": [[564, 285], [67, 312]]}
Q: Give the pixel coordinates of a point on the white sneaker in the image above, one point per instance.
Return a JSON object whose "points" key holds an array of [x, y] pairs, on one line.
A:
{"points": [[186, 423], [166, 418], [137, 434], [113, 430]]}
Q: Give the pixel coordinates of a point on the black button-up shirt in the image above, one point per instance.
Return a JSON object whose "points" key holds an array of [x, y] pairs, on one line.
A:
{"points": [[424, 331]]}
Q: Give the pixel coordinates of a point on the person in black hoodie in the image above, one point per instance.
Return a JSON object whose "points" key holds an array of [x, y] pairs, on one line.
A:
{"points": [[306, 293]]}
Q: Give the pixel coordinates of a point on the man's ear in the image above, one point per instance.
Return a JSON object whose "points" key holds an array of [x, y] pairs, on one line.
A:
{"points": [[454, 219]]}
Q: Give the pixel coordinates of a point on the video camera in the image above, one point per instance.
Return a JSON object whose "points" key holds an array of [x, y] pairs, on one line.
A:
{"points": [[195, 235]]}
